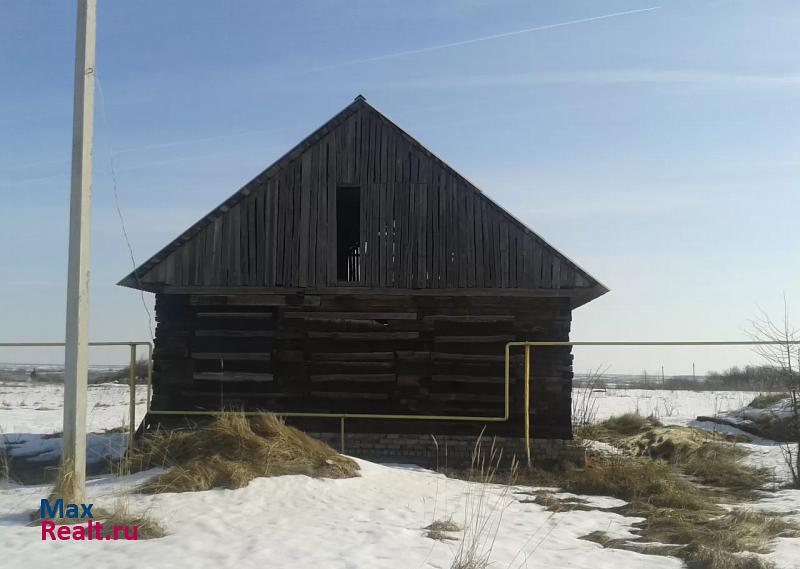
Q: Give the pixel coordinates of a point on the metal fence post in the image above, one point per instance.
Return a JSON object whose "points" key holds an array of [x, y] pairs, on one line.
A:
{"points": [[132, 393]]}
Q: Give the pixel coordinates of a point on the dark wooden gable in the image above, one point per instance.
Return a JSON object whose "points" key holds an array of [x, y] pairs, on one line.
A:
{"points": [[423, 226]]}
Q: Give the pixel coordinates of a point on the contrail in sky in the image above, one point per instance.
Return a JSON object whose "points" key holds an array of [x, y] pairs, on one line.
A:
{"points": [[485, 38]]}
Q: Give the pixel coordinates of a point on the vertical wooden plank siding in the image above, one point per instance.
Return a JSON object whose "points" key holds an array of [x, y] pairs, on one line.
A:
{"points": [[422, 225]]}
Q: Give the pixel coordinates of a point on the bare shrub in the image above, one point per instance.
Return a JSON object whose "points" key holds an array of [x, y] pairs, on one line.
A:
{"points": [[784, 356], [584, 403]]}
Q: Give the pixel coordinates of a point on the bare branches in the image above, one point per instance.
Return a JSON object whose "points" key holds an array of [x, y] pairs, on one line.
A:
{"points": [[785, 357]]}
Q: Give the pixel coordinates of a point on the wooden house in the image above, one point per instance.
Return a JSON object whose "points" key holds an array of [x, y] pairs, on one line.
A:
{"points": [[360, 274]]}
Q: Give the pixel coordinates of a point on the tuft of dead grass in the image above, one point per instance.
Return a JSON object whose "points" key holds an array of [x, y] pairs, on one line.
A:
{"points": [[629, 423], [728, 541], [65, 486], [636, 479], [233, 450], [720, 465], [440, 530], [146, 528], [443, 525], [708, 457]]}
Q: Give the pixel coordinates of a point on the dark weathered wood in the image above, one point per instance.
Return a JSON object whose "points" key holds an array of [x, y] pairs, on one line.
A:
{"points": [[424, 226], [448, 359], [232, 376], [251, 313]]}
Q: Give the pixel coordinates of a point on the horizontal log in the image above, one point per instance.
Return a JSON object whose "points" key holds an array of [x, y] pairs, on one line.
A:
{"points": [[446, 356], [475, 339], [225, 298], [353, 315], [353, 356], [248, 356], [349, 395], [467, 397], [366, 377], [365, 335], [468, 378], [470, 318], [236, 333], [417, 356], [232, 376], [249, 315], [351, 366]]}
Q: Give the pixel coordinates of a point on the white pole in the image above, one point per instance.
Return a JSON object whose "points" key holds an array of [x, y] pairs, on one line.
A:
{"points": [[77, 333]]}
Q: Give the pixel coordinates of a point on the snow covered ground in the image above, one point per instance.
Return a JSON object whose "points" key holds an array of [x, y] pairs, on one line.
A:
{"points": [[29, 410], [29, 407], [670, 407], [373, 521]]}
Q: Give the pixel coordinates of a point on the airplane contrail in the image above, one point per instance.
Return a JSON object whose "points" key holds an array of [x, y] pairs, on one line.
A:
{"points": [[485, 38]]}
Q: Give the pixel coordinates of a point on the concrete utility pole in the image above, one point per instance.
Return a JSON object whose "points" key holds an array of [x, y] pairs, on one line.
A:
{"points": [[76, 361]]}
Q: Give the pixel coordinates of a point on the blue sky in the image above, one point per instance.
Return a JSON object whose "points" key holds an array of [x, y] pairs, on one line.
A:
{"points": [[659, 149]]}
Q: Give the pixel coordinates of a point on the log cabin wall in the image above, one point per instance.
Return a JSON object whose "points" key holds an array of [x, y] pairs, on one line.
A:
{"points": [[359, 273], [343, 353]]}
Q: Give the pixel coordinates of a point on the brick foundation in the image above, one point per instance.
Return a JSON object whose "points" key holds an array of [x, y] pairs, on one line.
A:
{"points": [[450, 451]]}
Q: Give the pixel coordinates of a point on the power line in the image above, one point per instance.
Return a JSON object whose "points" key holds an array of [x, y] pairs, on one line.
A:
{"points": [[110, 150]]}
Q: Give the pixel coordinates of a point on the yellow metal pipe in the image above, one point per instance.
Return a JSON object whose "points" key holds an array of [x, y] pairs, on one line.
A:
{"points": [[669, 343], [342, 434], [149, 373], [61, 344], [507, 412], [527, 406], [341, 415]]}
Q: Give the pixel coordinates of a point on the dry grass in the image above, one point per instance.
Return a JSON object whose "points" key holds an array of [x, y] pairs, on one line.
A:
{"points": [[443, 525], [146, 528], [718, 542], [636, 480], [139, 525], [696, 556], [233, 450], [484, 506], [679, 513], [720, 465], [764, 400], [629, 423], [65, 486], [553, 503], [440, 530], [676, 479], [709, 457]]}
